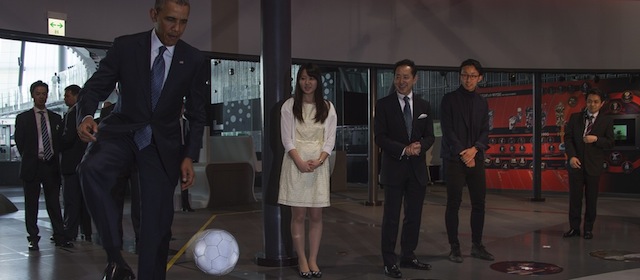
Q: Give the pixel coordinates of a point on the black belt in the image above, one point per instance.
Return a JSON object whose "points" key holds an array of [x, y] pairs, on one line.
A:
{"points": [[41, 160]]}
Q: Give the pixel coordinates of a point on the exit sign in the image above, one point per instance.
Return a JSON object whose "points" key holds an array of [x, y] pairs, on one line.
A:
{"points": [[56, 23], [56, 26]]}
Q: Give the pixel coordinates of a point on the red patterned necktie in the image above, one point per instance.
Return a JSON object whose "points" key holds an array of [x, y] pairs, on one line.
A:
{"points": [[589, 126]]}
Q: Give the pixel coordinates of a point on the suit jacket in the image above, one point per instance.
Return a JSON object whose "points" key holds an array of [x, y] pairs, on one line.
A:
{"points": [[71, 147], [26, 137], [128, 62], [590, 155], [464, 126], [391, 137]]}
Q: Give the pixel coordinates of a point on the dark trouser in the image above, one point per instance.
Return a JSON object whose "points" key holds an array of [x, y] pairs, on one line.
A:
{"points": [[184, 194], [582, 185], [86, 226], [458, 175], [74, 207], [128, 181], [105, 160], [48, 175], [413, 194]]}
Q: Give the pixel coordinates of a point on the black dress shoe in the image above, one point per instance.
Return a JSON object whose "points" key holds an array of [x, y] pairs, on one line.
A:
{"points": [[588, 235], [316, 274], [64, 244], [415, 264], [187, 209], [115, 271], [571, 233], [33, 246], [392, 271]]}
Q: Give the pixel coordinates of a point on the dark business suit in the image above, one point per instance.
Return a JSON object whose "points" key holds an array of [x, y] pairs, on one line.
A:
{"points": [[402, 176], [71, 152], [128, 62], [584, 181], [35, 171]]}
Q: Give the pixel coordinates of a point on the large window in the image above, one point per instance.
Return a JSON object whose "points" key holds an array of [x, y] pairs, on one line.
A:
{"points": [[21, 64]]}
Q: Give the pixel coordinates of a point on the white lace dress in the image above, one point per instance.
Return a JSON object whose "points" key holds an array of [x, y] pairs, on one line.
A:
{"points": [[306, 189]]}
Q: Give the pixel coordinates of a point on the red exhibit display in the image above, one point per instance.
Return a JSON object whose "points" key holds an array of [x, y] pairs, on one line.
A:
{"points": [[509, 159]]}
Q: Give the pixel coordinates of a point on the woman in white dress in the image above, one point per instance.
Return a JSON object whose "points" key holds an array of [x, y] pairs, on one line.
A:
{"points": [[308, 126]]}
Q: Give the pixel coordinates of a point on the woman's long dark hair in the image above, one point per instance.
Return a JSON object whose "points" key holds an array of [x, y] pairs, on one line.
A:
{"points": [[322, 107]]}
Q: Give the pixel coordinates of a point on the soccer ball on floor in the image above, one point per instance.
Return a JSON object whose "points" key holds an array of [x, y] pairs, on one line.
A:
{"points": [[216, 252]]}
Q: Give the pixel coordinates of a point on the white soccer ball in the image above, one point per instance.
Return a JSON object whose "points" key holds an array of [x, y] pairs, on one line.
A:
{"points": [[216, 252]]}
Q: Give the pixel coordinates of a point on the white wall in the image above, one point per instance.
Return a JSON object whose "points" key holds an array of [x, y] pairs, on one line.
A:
{"points": [[541, 34]]}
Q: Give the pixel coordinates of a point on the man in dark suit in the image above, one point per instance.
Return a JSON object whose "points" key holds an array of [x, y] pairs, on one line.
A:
{"points": [[71, 152], [465, 137], [403, 128], [586, 136], [156, 71], [37, 136]]}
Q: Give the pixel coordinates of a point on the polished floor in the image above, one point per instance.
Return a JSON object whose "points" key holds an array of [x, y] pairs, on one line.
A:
{"points": [[516, 229]]}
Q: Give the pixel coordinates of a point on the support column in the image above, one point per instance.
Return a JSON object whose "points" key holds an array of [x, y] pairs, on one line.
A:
{"points": [[537, 136], [372, 197], [276, 82]]}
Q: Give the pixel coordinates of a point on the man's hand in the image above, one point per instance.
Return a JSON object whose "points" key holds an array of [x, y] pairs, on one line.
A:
{"points": [[187, 174], [467, 156], [590, 139], [413, 149], [87, 129], [574, 162]]}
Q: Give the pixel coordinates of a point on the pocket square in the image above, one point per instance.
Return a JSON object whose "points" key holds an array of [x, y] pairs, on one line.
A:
{"points": [[422, 116]]}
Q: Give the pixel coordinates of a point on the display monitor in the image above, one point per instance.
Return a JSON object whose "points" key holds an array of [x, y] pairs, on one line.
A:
{"points": [[626, 132]]}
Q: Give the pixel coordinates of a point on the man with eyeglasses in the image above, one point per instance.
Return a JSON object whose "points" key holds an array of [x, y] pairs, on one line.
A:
{"points": [[586, 136], [465, 137]]}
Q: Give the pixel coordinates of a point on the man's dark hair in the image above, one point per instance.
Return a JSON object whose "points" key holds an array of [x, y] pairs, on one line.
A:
{"points": [[38, 83], [595, 91], [74, 89], [406, 62], [474, 63], [160, 3]]}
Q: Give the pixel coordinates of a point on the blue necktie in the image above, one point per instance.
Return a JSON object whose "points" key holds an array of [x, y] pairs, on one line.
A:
{"points": [[142, 137], [408, 120], [46, 142]]}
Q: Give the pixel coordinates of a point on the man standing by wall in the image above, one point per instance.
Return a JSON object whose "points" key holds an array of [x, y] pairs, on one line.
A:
{"points": [[156, 71], [37, 135], [587, 135], [465, 137]]}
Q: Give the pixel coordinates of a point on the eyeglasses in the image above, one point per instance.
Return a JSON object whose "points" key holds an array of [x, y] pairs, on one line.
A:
{"points": [[467, 76]]}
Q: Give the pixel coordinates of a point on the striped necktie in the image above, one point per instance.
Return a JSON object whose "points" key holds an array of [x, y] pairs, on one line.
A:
{"points": [[46, 141], [587, 131]]}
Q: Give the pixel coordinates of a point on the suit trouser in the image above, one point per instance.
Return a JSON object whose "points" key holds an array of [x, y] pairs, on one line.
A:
{"points": [[457, 176], [129, 181], [48, 175], [74, 207], [582, 185], [413, 193], [105, 160]]}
